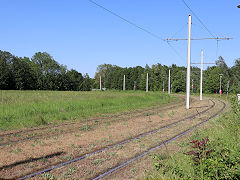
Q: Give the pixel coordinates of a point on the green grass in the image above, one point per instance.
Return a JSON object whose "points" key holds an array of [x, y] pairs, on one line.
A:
{"points": [[223, 162], [20, 109]]}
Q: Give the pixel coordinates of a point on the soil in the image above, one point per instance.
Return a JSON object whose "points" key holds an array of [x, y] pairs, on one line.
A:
{"points": [[51, 147]]}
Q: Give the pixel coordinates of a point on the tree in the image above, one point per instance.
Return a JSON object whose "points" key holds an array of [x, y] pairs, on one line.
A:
{"points": [[23, 74], [5, 72], [235, 77], [47, 70], [86, 84], [74, 80]]}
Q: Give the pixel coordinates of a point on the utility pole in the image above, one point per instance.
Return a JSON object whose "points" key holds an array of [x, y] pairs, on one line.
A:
{"points": [[100, 83], [188, 63], [201, 75], [147, 83], [124, 82], [220, 92], [169, 81], [227, 87], [189, 55], [104, 84], [192, 85], [163, 86]]}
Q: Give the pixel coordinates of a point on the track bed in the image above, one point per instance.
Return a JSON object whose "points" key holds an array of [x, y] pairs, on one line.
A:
{"points": [[88, 149]]}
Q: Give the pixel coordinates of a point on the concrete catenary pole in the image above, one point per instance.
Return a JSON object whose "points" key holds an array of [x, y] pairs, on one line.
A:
{"points": [[201, 75], [188, 63], [147, 83], [100, 83], [169, 81], [220, 84], [124, 82], [227, 87], [192, 85], [163, 86]]}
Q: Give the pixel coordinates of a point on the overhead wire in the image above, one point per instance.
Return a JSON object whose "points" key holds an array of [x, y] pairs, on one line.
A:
{"points": [[207, 29], [136, 26]]}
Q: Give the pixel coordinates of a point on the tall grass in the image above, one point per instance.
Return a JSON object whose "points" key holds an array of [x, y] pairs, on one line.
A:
{"points": [[20, 109], [223, 161]]}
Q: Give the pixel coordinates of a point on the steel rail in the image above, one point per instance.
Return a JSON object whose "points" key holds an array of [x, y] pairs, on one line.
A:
{"points": [[160, 145], [115, 145], [44, 135], [90, 120]]}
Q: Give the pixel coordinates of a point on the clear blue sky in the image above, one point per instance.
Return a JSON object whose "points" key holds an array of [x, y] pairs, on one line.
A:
{"points": [[80, 35]]}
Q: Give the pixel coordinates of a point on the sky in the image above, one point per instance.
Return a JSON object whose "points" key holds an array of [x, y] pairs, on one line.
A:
{"points": [[82, 36]]}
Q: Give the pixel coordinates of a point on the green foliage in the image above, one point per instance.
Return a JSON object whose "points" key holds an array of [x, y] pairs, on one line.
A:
{"points": [[41, 72], [216, 158]]}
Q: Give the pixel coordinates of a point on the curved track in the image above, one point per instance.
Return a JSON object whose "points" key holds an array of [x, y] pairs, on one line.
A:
{"points": [[160, 145], [131, 139], [135, 113]]}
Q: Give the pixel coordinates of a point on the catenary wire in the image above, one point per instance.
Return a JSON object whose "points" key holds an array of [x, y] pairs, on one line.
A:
{"points": [[136, 26], [184, 2]]}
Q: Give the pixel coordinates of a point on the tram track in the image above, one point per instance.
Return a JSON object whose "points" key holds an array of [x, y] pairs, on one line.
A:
{"points": [[118, 167], [135, 114], [121, 143]]}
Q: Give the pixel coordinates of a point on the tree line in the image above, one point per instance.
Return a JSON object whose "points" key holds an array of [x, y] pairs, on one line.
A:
{"points": [[112, 77], [42, 72]]}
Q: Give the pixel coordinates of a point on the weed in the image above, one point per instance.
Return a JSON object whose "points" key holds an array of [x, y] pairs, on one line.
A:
{"points": [[79, 147], [120, 146], [161, 115], [171, 114], [48, 176], [98, 161], [70, 172], [16, 151], [134, 170], [112, 154], [68, 158], [28, 166], [108, 123], [72, 145], [85, 128], [44, 160]]}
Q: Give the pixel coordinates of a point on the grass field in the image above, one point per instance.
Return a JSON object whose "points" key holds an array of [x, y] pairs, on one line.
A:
{"points": [[23, 109]]}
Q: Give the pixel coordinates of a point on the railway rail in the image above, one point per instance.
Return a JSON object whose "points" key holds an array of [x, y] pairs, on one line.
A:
{"points": [[128, 140], [158, 146], [136, 113]]}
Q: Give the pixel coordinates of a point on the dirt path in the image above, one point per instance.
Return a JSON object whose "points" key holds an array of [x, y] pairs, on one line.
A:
{"points": [[22, 158]]}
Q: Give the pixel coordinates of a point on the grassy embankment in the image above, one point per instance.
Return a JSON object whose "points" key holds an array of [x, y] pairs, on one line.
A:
{"points": [[214, 153], [20, 109]]}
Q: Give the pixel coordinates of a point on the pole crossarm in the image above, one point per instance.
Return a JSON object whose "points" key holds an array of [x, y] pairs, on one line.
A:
{"points": [[203, 63], [184, 39]]}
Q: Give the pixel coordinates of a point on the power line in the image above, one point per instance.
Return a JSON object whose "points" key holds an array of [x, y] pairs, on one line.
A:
{"points": [[198, 19], [126, 20], [135, 25]]}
